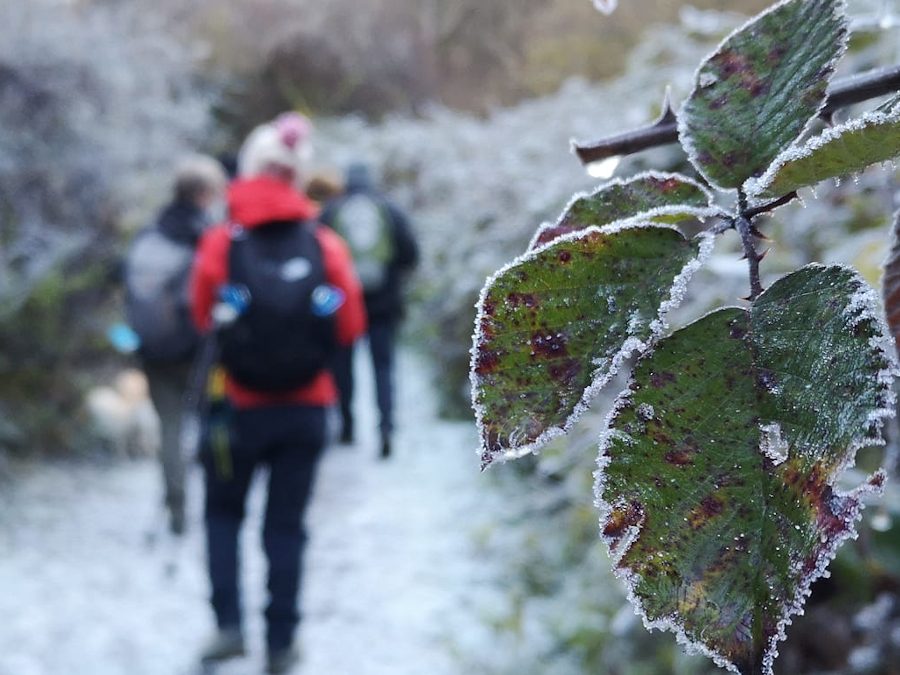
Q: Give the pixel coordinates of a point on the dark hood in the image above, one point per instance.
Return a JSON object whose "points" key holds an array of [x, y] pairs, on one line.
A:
{"points": [[359, 178], [183, 221]]}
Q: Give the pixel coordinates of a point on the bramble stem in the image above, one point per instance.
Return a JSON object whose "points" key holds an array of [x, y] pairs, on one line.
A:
{"points": [[664, 131], [745, 229], [750, 214], [744, 225]]}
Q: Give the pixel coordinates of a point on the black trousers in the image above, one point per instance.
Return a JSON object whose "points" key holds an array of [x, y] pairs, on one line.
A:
{"points": [[381, 345], [289, 441]]}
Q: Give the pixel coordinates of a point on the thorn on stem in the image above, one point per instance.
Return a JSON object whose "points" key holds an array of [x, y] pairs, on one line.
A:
{"points": [[759, 235]]}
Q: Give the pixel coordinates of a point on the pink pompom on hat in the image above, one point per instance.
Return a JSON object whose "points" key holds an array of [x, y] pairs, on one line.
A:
{"points": [[283, 143]]}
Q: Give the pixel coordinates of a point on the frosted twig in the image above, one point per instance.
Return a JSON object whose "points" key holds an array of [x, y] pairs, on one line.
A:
{"points": [[858, 88], [746, 230], [845, 91], [750, 214]]}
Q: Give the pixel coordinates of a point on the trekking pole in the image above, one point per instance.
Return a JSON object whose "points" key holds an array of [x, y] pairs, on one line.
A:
{"points": [[195, 395]]}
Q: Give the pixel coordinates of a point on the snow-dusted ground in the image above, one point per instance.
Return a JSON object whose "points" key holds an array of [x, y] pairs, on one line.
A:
{"points": [[394, 583]]}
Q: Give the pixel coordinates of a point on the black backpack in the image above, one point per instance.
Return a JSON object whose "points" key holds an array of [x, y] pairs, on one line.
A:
{"points": [[277, 343], [157, 270]]}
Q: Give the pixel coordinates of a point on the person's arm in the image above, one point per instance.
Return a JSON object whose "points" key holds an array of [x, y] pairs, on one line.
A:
{"points": [[209, 272], [406, 247], [351, 316]]}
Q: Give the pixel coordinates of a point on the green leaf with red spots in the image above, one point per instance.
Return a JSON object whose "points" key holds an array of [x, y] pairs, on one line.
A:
{"points": [[652, 196], [717, 469], [839, 151], [553, 326], [756, 94], [890, 283]]}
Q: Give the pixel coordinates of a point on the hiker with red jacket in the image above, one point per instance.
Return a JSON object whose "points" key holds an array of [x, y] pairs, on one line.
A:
{"points": [[281, 293]]}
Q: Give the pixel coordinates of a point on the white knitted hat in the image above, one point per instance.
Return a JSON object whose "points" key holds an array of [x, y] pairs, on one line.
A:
{"points": [[283, 143]]}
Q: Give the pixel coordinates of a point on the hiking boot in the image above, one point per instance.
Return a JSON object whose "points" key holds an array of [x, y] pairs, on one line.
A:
{"points": [[346, 437], [385, 447], [227, 643], [282, 660]]}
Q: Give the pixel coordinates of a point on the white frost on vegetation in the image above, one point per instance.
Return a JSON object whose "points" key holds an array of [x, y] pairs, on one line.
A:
{"points": [[606, 368], [794, 607], [772, 443], [700, 82], [865, 306], [756, 188], [618, 551], [640, 216], [538, 233], [99, 100], [679, 286], [861, 306]]}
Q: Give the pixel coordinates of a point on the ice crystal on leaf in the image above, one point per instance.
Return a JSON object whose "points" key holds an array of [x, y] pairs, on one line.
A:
{"points": [[720, 508], [759, 90], [554, 325], [837, 152]]}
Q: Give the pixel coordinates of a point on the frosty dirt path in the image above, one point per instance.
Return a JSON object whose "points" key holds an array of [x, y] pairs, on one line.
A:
{"points": [[394, 582]]}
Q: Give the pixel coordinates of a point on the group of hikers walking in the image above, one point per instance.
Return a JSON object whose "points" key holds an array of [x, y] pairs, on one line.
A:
{"points": [[258, 316]]}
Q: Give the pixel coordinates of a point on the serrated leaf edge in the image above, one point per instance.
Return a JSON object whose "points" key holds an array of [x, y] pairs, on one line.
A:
{"points": [[700, 213], [756, 187], [684, 137], [867, 300], [706, 242]]}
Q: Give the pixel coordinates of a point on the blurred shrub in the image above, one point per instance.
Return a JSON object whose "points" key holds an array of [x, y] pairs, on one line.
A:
{"points": [[396, 55], [477, 188], [95, 105]]}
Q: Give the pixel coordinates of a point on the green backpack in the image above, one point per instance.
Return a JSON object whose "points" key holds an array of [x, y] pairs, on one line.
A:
{"points": [[366, 226]]}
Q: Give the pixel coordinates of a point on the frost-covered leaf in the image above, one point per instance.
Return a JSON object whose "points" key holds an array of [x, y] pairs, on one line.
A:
{"points": [[890, 283], [839, 151], [757, 92], [553, 326], [890, 104], [717, 470], [653, 196]]}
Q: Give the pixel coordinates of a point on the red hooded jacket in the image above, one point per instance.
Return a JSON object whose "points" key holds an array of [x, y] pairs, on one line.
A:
{"points": [[253, 203]]}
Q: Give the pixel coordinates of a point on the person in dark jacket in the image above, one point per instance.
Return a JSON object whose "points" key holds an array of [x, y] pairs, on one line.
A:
{"points": [[384, 252], [199, 183], [283, 431]]}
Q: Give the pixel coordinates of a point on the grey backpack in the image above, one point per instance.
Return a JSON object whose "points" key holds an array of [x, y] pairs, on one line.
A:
{"points": [[157, 304]]}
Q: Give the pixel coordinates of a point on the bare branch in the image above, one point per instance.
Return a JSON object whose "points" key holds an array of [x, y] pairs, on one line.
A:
{"points": [[843, 92], [662, 132], [862, 87]]}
